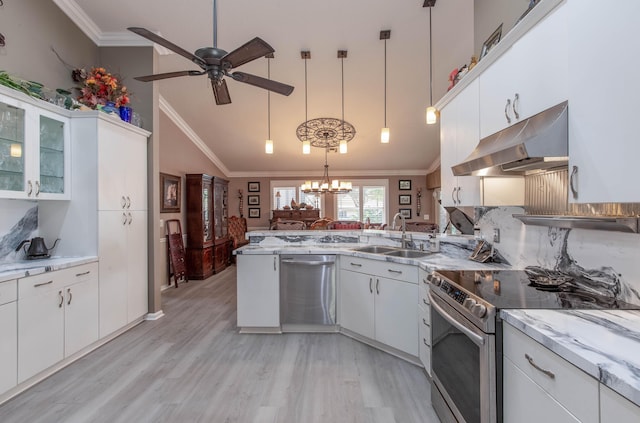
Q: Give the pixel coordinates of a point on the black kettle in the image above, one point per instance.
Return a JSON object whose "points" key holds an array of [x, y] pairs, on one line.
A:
{"points": [[37, 248]]}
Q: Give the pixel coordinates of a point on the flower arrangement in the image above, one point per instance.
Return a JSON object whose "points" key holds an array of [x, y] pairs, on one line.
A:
{"points": [[99, 87]]}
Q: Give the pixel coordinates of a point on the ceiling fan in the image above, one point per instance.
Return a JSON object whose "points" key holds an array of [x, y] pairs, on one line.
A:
{"points": [[217, 63]]}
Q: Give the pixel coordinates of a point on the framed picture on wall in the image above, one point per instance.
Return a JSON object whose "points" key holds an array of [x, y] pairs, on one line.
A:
{"points": [[406, 213], [253, 186], [170, 193], [253, 200], [254, 212], [491, 42], [404, 200], [404, 184]]}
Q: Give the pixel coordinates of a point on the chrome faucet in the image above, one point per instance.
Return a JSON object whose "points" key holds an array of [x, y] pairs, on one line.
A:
{"points": [[404, 241]]}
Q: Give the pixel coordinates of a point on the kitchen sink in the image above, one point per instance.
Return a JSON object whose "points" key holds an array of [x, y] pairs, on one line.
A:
{"points": [[407, 253], [375, 249]]}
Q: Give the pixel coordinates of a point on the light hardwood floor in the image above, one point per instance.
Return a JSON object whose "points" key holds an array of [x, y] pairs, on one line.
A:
{"points": [[193, 366]]}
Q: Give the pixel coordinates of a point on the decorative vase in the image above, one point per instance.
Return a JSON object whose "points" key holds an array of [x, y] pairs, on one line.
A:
{"points": [[109, 107], [125, 113]]}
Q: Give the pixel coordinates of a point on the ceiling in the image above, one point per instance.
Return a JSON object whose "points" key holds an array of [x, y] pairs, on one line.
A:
{"points": [[235, 133]]}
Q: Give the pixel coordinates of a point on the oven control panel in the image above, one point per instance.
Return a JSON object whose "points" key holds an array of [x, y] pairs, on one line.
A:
{"points": [[458, 295]]}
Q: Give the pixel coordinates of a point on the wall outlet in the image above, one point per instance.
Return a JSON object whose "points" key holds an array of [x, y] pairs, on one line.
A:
{"points": [[161, 224], [426, 217], [496, 235]]}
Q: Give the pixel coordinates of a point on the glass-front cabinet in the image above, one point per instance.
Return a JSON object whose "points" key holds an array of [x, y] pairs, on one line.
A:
{"points": [[34, 151]]}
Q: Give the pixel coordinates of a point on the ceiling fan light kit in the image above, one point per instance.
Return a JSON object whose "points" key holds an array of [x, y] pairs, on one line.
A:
{"points": [[217, 63]]}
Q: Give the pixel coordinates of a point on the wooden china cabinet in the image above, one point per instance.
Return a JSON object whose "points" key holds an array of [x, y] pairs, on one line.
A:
{"points": [[207, 232]]}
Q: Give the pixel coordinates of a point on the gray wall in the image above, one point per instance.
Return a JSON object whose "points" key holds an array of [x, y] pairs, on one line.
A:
{"points": [[31, 28]]}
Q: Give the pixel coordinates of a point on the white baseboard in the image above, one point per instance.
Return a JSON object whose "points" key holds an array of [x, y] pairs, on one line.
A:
{"points": [[154, 316]]}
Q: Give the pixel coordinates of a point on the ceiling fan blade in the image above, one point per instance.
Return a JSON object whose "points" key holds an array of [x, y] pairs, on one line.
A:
{"points": [[221, 92], [261, 82], [149, 78], [168, 44], [252, 50]]}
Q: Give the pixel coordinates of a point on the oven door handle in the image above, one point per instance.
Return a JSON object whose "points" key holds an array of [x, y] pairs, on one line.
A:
{"points": [[476, 339]]}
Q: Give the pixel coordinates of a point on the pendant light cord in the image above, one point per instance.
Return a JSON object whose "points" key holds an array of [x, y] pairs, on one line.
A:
{"points": [[342, 70], [385, 83], [306, 118], [430, 62], [268, 100]]}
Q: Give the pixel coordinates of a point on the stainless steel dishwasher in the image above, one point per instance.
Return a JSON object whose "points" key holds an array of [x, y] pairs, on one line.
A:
{"points": [[307, 291]]}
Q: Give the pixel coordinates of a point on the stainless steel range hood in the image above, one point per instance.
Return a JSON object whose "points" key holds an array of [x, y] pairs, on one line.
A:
{"points": [[539, 142]]}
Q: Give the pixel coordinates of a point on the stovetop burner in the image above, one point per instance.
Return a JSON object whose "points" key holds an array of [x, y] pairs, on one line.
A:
{"points": [[535, 287]]}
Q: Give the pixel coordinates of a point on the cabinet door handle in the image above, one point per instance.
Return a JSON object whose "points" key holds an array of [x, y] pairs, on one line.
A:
{"points": [[355, 264], [83, 273], [30, 189], [395, 271], [371, 285], [506, 110], [123, 202], [130, 219], [424, 341], [540, 369], [61, 297], [43, 283], [274, 264], [124, 219], [516, 102], [70, 296], [37, 188], [377, 286], [424, 321], [574, 174], [128, 202], [458, 195], [453, 193], [425, 301]]}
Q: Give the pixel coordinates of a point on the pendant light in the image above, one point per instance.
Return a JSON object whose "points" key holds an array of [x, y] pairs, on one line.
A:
{"points": [[268, 144], [431, 112], [384, 134], [306, 144]]}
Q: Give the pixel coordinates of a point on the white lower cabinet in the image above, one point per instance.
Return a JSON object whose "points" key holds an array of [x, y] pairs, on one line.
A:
{"points": [[57, 316], [378, 301], [614, 408], [258, 278], [8, 335], [540, 386]]}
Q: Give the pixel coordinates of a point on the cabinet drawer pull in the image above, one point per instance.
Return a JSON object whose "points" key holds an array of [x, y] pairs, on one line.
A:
{"points": [[83, 273], [395, 271], [70, 295], [42, 283], [540, 369], [516, 101], [61, 297], [355, 264], [506, 110]]}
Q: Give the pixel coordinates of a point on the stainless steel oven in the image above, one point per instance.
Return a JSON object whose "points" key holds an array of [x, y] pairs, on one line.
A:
{"points": [[466, 331], [463, 366]]}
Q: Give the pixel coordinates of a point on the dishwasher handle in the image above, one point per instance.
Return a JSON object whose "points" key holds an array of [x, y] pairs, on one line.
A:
{"points": [[308, 262]]}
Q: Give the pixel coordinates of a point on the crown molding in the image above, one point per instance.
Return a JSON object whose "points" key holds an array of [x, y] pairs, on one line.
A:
{"points": [[104, 39], [318, 173], [175, 117]]}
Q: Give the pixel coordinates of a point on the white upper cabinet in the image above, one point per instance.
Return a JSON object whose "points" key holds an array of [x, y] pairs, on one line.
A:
{"points": [[34, 149], [603, 93], [529, 77]]}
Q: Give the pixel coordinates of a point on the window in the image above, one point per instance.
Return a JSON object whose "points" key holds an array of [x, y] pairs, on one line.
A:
{"points": [[290, 190], [368, 199]]}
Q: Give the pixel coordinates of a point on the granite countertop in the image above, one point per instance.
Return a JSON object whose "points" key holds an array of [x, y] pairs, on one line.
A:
{"points": [[603, 343], [21, 268]]}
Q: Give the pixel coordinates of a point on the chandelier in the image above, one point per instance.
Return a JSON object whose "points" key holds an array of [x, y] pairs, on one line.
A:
{"points": [[326, 185]]}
